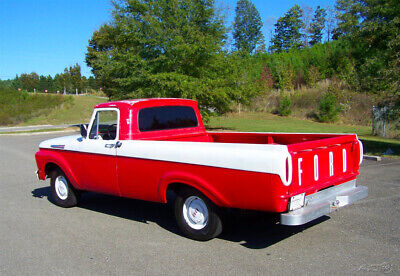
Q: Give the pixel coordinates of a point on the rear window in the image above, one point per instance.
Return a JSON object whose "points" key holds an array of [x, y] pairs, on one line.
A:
{"points": [[166, 117]]}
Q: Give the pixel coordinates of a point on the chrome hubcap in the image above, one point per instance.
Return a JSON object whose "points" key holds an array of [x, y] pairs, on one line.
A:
{"points": [[61, 186], [195, 212]]}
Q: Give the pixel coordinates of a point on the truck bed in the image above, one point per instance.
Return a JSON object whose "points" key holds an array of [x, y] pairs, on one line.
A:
{"points": [[318, 161]]}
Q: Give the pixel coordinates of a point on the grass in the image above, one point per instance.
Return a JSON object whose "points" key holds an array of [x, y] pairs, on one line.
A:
{"points": [[79, 111], [267, 122], [379, 146], [17, 106], [263, 121]]}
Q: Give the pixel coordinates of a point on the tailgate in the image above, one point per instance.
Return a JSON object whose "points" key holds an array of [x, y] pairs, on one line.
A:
{"points": [[324, 163]]}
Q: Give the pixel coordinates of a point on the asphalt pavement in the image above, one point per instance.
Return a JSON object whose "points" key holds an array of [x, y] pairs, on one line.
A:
{"points": [[107, 235]]}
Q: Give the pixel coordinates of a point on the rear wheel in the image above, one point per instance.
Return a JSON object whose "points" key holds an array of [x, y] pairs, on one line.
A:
{"points": [[196, 215], [62, 192]]}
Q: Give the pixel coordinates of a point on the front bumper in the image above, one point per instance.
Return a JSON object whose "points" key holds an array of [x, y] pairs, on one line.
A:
{"points": [[323, 202]]}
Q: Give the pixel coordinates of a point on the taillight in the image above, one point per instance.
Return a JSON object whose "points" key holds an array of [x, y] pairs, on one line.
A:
{"points": [[361, 149]]}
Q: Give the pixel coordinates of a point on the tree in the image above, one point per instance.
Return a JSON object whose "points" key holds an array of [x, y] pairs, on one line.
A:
{"points": [[330, 23], [317, 26], [93, 83], [165, 48], [42, 83], [306, 24], [65, 80], [58, 83], [50, 84], [287, 30], [29, 82], [45, 83], [376, 44], [84, 84], [16, 83], [75, 77], [347, 16], [247, 28]]}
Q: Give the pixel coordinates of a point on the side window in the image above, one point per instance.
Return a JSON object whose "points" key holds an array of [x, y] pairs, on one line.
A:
{"points": [[167, 117], [104, 125]]}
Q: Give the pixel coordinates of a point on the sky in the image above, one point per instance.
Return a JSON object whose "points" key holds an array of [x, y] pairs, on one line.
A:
{"points": [[45, 36]]}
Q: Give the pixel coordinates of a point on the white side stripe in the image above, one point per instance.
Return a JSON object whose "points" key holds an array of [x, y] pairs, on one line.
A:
{"points": [[249, 157]]}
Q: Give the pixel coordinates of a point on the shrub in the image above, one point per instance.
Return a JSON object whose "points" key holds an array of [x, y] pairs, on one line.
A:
{"points": [[266, 78], [285, 106], [286, 77], [313, 76], [328, 108]]}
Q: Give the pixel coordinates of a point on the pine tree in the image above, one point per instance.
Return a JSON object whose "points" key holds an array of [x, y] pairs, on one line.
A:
{"points": [[317, 25], [347, 16], [247, 28], [287, 31]]}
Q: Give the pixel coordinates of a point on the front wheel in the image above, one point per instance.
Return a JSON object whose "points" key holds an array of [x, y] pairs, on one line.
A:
{"points": [[196, 215], [62, 192]]}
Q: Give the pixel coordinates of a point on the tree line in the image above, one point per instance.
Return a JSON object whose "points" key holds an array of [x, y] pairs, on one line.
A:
{"points": [[182, 48], [70, 81], [178, 48]]}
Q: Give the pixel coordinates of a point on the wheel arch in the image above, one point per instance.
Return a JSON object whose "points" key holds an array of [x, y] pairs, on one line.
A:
{"points": [[178, 180], [53, 160], [53, 165], [49, 167]]}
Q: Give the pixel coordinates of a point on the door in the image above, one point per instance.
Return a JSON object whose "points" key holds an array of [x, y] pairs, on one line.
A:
{"points": [[99, 152]]}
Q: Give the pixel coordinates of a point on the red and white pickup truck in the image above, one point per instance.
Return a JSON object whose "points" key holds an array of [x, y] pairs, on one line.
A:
{"points": [[143, 148]]}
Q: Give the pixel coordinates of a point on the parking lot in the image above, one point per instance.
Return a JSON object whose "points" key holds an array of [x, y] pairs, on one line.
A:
{"points": [[109, 235]]}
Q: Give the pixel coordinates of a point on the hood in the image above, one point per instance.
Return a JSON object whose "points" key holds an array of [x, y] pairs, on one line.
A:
{"points": [[65, 142]]}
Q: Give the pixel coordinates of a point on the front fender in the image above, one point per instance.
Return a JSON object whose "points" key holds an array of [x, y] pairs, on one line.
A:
{"points": [[191, 180], [44, 157]]}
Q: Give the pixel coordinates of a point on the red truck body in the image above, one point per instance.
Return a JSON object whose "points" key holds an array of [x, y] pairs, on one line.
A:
{"points": [[258, 171]]}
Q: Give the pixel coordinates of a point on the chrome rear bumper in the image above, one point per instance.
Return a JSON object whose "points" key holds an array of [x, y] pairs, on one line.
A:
{"points": [[323, 202]]}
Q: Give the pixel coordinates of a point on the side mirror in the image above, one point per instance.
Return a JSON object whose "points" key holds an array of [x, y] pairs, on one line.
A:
{"points": [[84, 130]]}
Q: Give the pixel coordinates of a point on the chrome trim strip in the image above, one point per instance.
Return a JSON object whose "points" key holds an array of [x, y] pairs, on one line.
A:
{"points": [[324, 202]]}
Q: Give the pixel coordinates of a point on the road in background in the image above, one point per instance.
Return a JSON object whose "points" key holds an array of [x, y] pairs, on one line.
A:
{"points": [[32, 128], [110, 235]]}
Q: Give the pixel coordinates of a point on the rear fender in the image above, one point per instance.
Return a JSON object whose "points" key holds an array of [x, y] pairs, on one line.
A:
{"points": [[193, 181], [57, 159]]}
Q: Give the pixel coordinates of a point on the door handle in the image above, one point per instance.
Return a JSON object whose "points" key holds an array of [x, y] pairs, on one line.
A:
{"points": [[109, 146]]}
